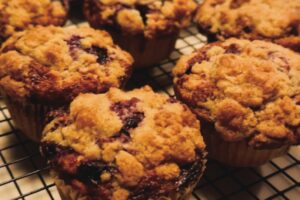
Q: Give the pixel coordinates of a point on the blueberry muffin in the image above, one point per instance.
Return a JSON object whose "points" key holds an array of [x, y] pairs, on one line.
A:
{"points": [[18, 15], [247, 96], [124, 145], [142, 27], [45, 67], [251, 19]]}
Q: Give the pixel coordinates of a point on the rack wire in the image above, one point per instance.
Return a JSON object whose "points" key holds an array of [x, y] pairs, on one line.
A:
{"points": [[24, 174]]}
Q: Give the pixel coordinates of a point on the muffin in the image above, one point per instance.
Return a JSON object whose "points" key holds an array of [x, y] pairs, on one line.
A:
{"points": [[18, 15], [124, 145], [45, 67], [147, 29], [273, 20], [247, 96]]}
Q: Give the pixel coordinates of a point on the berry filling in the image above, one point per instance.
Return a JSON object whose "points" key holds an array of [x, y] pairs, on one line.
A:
{"points": [[66, 161], [233, 49], [101, 53], [128, 113], [50, 150], [91, 171], [153, 186], [74, 44]]}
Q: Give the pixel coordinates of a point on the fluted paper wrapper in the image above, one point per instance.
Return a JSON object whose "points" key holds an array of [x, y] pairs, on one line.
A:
{"points": [[239, 154], [28, 117], [146, 52]]}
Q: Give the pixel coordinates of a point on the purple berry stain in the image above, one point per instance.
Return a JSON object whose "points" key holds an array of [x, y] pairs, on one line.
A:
{"points": [[90, 171], [101, 53], [128, 113], [232, 49], [74, 43]]}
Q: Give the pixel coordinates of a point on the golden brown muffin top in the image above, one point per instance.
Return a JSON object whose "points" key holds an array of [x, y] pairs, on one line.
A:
{"points": [[250, 19], [53, 64], [146, 143], [17, 15], [149, 17], [246, 89]]}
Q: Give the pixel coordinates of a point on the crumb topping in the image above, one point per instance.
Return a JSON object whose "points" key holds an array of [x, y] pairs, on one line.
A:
{"points": [[53, 65], [149, 17], [17, 15], [246, 89], [158, 147], [250, 19]]}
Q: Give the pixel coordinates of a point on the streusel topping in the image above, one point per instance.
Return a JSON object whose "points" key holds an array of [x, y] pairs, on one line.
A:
{"points": [[246, 89], [54, 64], [149, 17], [17, 15], [251, 19], [145, 142]]}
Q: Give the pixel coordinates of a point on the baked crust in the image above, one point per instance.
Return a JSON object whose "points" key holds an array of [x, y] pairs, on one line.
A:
{"points": [[130, 145], [249, 19], [292, 42], [52, 65], [247, 90], [18, 15], [151, 18]]}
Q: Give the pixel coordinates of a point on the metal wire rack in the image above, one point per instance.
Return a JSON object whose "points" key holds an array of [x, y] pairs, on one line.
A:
{"points": [[24, 174]]}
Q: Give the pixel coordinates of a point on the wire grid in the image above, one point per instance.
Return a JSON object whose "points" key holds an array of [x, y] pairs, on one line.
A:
{"points": [[24, 174]]}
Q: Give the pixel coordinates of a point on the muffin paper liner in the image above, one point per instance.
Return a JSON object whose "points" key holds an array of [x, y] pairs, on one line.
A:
{"points": [[146, 52], [239, 154], [28, 117]]}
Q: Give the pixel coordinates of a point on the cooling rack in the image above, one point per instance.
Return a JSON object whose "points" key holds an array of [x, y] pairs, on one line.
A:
{"points": [[24, 174]]}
